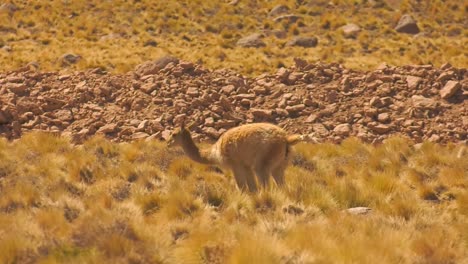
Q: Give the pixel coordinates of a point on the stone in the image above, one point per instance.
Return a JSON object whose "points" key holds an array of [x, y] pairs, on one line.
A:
{"points": [[380, 128], [445, 76], [186, 65], [228, 89], [350, 30], [413, 81], [281, 112], [342, 129], [209, 121], [434, 138], [320, 129], [261, 113], [311, 118], [407, 24], [260, 90], [107, 129], [246, 102], [246, 96], [251, 41], [383, 117], [295, 108], [359, 210], [153, 67], [148, 87], [139, 135], [212, 132], [282, 73], [376, 102], [420, 101], [192, 91], [278, 10], [144, 124], [450, 88], [69, 58], [306, 42], [290, 18], [51, 104], [17, 88], [64, 115], [166, 134]]}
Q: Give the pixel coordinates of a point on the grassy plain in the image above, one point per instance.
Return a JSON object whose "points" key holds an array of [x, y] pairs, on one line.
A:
{"points": [[140, 202], [117, 35]]}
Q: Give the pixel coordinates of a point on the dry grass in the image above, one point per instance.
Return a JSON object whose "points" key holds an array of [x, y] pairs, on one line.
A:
{"points": [[117, 35], [143, 203]]}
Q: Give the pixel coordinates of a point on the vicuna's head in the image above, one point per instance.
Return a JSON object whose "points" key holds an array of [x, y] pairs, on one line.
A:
{"points": [[177, 136]]}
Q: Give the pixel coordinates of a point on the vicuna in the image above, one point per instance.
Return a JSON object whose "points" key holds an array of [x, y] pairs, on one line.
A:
{"points": [[260, 149]]}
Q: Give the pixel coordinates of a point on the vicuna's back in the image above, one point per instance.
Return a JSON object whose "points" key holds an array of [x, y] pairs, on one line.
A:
{"points": [[251, 143]]}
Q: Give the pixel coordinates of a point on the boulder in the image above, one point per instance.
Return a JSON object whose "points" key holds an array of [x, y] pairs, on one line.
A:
{"points": [[450, 88], [306, 42], [251, 41], [350, 30], [407, 24]]}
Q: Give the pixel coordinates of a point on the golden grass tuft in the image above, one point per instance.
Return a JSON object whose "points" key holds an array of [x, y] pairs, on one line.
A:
{"points": [[143, 203]]}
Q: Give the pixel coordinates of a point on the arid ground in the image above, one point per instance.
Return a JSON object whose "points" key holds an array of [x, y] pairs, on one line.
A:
{"points": [[90, 90]]}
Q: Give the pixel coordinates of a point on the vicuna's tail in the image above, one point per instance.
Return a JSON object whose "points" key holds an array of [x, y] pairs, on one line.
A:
{"points": [[294, 139]]}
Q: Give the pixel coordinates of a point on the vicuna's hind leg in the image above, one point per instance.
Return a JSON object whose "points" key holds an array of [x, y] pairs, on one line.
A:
{"points": [[263, 174], [278, 172], [244, 178]]}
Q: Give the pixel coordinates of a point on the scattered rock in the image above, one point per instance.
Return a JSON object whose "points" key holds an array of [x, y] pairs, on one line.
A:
{"points": [[278, 10], [420, 101], [359, 210], [139, 135], [152, 67], [350, 30], [17, 88], [381, 128], [383, 117], [342, 129], [69, 58], [306, 42], [413, 81], [450, 88], [251, 41], [311, 118], [407, 24], [295, 108], [107, 129], [291, 18], [303, 98], [262, 113]]}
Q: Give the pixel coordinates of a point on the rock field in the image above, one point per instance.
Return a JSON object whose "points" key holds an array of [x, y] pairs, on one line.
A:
{"points": [[422, 102]]}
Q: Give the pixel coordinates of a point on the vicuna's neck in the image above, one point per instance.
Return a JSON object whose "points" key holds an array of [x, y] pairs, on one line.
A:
{"points": [[194, 153]]}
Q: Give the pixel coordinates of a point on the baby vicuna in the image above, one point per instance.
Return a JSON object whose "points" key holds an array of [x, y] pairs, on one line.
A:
{"points": [[260, 149]]}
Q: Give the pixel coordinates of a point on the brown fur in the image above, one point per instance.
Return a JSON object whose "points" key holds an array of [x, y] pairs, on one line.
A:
{"points": [[260, 149]]}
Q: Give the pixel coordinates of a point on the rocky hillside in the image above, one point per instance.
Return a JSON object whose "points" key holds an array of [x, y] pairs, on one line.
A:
{"points": [[422, 102]]}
